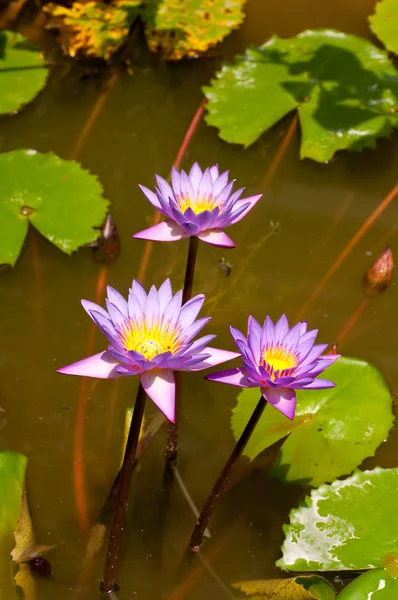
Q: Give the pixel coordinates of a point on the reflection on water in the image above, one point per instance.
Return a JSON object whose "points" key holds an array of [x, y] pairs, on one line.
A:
{"points": [[318, 208]]}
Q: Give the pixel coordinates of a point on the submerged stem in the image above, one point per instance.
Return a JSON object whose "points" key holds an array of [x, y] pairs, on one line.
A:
{"points": [[208, 508], [110, 572], [172, 438]]}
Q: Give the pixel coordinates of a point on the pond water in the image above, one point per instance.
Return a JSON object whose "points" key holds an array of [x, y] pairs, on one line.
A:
{"points": [[140, 122]]}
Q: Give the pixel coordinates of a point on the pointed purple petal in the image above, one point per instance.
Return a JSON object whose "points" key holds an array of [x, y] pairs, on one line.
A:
{"points": [[220, 183], [195, 175], [117, 317], [118, 300], [190, 311], [102, 365], [217, 356], [152, 306], [89, 306], [319, 384], [166, 231], [252, 201], [216, 237], [159, 384], [175, 181], [214, 172], [189, 332], [165, 294], [281, 329], [283, 399], [150, 196], [164, 188], [230, 377]]}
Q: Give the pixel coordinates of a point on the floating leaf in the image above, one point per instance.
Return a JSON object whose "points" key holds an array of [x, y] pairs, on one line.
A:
{"points": [[375, 584], [58, 197], [190, 27], [12, 475], [304, 587], [333, 430], [384, 23], [94, 28], [349, 524], [23, 71], [24, 539], [345, 89]]}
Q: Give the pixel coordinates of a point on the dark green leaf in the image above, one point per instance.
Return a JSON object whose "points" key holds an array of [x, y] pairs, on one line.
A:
{"points": [[305, 587], [384, 23], [375, 584], [345, 88], [333, 430], [349, 524], [23, 71], [58, 197], [187, 28]]}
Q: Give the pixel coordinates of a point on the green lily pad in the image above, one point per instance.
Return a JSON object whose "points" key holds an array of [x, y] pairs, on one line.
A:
{"points": [[333, 430], [12, 475], [23, 71], [339, 108], [303, 587], [349, 524], [384, 23], [375, 584], [58, 197], [188, 28]]}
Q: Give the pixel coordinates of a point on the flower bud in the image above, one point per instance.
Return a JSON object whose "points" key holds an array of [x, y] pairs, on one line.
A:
{"points": [[378, 276]]}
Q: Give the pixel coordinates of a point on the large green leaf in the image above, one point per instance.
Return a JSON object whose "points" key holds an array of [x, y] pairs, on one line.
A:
{"points": [[60, 198], [375, 584], [302, 587], [345, 89], [384, 23], [187, 28], [93, 28], [23, 71], [12, 475], [350, 524], [333, 430]]}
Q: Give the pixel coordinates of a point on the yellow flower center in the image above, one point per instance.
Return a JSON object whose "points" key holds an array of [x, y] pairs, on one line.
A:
{"points": [[198, 204], [279, 359], [149, 339]]}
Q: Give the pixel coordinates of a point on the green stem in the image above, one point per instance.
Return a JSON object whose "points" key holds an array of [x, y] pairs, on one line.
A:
{"points": [[108, 584], [172, 438], [208, 508]]}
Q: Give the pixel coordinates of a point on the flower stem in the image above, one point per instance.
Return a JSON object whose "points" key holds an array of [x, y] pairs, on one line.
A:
{"points": [[172, 438], [108, 584], [208, 508]]}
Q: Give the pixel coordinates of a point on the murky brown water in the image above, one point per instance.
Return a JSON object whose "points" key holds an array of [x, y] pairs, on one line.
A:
{"points": [[42, 324]]}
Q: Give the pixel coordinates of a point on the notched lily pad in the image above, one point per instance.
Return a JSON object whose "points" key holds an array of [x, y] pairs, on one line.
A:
{"points": [[375, 584], [333, 430], [349, 524], [58, 197], [384, 23], [344, 87], [93, 28], [189, 28], [23, 71]]}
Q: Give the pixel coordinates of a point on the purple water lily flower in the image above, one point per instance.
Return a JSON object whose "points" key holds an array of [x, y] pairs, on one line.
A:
{"points": [[279, 360], [150, 335], [200, 204]]}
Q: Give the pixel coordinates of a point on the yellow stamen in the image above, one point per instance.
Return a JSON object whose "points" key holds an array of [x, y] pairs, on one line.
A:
{"points": [[149, 339], [279, 359], [198, 204]]}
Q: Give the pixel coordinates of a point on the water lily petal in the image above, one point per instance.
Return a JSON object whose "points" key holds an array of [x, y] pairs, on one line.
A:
{"points": [[150, 196], [217, 356], [159, 384], [231, 377], [190, 311], [216, 237], [166, 231], [283, 399], [251, 201], [102, 365]]}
